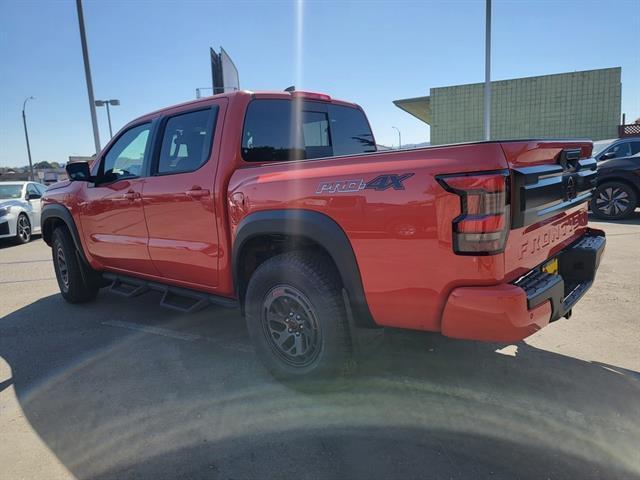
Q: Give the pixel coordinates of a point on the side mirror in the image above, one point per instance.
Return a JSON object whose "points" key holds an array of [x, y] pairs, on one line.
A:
{"points": [[608, 156], [78, 171], [32, 196]]}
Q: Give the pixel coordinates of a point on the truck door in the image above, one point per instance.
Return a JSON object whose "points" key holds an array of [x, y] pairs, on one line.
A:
{"points": [[179, 197], [112, 216]]}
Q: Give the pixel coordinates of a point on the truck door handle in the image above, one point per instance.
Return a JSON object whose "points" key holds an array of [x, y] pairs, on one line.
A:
{"points": [[198, 192], [131, 195]]}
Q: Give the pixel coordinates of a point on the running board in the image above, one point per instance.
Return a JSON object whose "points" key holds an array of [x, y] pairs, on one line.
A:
{"points": [[176, 298], [128, 288]]}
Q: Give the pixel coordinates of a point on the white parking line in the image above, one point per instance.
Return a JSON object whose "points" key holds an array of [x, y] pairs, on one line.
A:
{"points": [[189, 337]]}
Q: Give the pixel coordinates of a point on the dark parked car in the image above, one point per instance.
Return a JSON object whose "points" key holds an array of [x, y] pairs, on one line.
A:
{"points": [[618, 191]]}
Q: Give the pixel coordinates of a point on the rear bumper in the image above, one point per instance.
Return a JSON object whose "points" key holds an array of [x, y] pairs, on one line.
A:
{"points": [[512, 311]]}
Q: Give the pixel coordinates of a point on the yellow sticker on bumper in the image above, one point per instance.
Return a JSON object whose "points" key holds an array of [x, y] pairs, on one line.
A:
{"points": [[551, 267]]}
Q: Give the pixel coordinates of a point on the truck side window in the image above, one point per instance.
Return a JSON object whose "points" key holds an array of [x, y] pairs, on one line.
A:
{"points": [[186, 141], [126, 157], [321, 130]]}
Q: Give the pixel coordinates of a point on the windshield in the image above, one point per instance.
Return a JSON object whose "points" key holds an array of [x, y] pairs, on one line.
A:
{"points": [[10, 191], [600, 146]]}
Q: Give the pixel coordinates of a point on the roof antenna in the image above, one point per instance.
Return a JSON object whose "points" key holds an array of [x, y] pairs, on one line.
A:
{"points": [[292, 88]]}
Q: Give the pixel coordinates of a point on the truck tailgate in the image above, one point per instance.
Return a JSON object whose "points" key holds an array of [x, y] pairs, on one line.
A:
{"points": [[551, 183]]}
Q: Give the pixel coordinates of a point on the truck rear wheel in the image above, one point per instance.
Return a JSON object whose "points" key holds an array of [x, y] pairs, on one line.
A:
{"points": [[74, 286], [296, 317]]}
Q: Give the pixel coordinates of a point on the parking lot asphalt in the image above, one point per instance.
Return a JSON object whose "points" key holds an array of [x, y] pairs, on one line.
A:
{"points": [[126, 389]]}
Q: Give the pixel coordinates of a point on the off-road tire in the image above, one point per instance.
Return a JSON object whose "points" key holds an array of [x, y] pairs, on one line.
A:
{"points": [[77, 282], [311, 280]]}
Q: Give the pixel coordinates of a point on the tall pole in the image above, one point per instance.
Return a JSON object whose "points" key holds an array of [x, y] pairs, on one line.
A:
{"points": [[26, 136], [399, 138], [487, 73], [87, 72], [109, 118]]}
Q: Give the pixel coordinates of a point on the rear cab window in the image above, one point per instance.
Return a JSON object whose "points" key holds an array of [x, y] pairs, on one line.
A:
{"points": [[284, 130]]}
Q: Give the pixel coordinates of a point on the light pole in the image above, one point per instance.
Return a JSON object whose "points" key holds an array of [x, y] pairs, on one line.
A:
{"points": [[487, 72], [199, 91], [26, 136], [399, 138], [102, 103], [87, 74]]}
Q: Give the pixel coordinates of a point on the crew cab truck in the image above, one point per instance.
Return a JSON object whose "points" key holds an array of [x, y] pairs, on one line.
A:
{"points": [[279, 203]]}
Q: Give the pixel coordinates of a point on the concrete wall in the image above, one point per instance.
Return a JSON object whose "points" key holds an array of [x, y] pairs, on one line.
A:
{"points": [[569, 105]]}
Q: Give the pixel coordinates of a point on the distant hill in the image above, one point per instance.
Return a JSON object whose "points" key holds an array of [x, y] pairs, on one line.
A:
{"points": [[407, 146]]}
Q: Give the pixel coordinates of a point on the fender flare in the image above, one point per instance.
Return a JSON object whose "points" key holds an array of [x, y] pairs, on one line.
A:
{"points": [[54, 211], [320, 229]]}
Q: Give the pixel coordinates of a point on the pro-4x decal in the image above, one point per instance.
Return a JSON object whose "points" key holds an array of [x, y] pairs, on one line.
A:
{"points": [[380, 183]]}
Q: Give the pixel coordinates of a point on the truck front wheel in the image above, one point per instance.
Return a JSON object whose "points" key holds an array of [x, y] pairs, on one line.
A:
{"points": [[74, 286], [296, 317]]}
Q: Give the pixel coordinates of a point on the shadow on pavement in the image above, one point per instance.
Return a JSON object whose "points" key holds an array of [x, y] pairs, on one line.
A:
{"points": [[634, 219], [10, 242], [113, 402]]}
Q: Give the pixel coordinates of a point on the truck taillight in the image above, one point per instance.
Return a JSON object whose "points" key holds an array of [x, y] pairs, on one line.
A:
{"points": [[483, 224]]}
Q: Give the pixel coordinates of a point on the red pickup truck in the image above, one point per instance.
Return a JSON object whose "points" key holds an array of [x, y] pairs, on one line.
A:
{"points": [[279, 203]]}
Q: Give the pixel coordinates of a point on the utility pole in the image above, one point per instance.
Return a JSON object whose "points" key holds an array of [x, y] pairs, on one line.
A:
{"points": [[87, 72], [26, 136], [487, 72]]}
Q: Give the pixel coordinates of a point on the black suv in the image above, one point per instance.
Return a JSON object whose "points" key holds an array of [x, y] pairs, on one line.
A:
{"points": [[618, 190]]}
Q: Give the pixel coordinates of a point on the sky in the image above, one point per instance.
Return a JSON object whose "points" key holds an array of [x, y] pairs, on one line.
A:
{"points": [[154, 54]]}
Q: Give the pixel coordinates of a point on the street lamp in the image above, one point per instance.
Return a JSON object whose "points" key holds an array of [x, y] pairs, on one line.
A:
{"points": [[199, 91], [102, 103], [26, 135], [399, 138]]}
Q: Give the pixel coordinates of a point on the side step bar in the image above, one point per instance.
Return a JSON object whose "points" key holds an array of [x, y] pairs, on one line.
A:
{"points": [[177, 298]]}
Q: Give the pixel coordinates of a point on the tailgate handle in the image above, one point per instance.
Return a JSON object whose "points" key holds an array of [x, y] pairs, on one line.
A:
{"points": [[569, 158]]}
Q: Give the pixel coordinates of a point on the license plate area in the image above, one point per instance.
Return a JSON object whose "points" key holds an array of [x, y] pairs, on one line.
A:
{"points": [[551, 266], [566, 277]]}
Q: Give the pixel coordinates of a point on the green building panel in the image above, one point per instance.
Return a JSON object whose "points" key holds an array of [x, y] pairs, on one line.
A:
{"points": [[568, 105]]}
